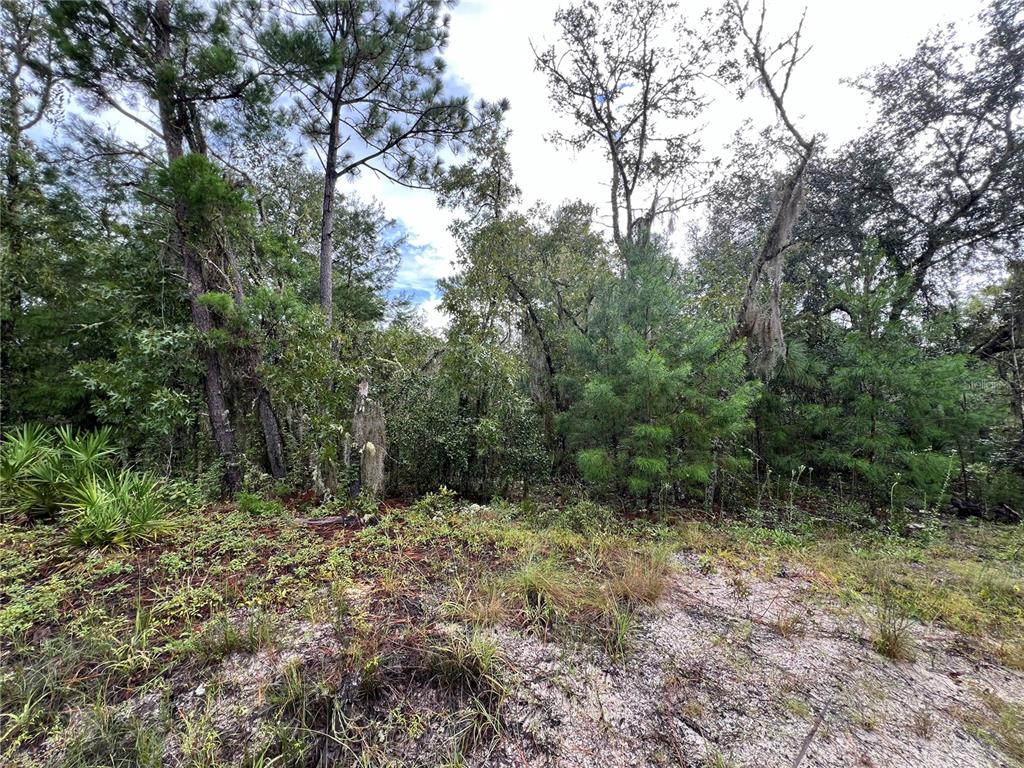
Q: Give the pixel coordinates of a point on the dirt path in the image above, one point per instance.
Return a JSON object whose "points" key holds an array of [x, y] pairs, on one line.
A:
{"points": [[727, 676]]}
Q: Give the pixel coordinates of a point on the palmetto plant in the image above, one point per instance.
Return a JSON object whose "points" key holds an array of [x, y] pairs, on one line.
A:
{"points": [[118, 509], [86, 452], [30, 475], [44, 474]]}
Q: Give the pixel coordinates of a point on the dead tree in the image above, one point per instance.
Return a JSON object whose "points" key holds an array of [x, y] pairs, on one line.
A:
{"points": [[369, 432], [760, 319]]}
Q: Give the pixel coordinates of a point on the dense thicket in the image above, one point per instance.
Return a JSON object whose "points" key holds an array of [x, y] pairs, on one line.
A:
{"points": [[849, 317]]}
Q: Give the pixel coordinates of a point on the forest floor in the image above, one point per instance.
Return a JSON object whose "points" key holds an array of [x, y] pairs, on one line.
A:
{"points": [[531, 634]]}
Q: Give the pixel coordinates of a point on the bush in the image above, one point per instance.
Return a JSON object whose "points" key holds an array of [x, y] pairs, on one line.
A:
{"points": [[119, 509], [44, 474], [251, 504]]}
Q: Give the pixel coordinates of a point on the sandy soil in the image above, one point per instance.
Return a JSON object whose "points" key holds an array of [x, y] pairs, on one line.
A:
{"points": [[713, 681]]}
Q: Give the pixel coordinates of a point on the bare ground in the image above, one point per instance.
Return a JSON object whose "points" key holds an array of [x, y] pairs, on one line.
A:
{"points": [[720, 676], [767, 673]]}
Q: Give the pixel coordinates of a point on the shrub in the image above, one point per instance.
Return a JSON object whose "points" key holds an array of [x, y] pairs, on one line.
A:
{"points": [[251, 504], [44, 474], [442, 502], [116, 509], [584, 517], [30, 476]]}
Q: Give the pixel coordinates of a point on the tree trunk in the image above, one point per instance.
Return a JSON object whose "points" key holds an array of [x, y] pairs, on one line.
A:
{"points": [[762, 325], [368, 428], [271, 434], [264, 405], [195, 280], [10, 274], [327, 219]]}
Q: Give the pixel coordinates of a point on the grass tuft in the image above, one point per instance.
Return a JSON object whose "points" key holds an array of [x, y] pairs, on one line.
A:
{"points": [[891, 630]]}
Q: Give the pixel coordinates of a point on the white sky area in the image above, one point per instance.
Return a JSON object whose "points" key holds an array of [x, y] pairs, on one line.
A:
{"points": [[490, 53]]}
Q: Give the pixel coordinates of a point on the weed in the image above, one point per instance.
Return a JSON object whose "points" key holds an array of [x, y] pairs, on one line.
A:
{"points": [[740, 586], [251, 504], [470, 663], [923, 724], [617, 630], [890, 628], [372, 676], [641, 579], [28, 701], [200, 741], [717, 759], [111, 740], [707, 564], [311, 725], [789, 625], [796, 706], [476, 725], [546, 590], [484, 606], [1000, 724]]}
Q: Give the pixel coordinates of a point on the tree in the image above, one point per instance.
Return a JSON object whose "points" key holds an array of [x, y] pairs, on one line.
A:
{"points": [[1001, 331], [940, 172], [29, 93], [760, 322], [628, 75], [527, 281], [183, 62], [367, 80], [658, 394]]}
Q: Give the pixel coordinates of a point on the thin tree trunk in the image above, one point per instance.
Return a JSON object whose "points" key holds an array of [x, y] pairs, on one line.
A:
{"points": [[271, 434], [264, 405], [10, 277], [195, 280], [202, 319], [327, 219]]}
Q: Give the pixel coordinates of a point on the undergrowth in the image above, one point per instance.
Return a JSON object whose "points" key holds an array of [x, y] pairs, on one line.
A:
{"points": [[409, 598]]}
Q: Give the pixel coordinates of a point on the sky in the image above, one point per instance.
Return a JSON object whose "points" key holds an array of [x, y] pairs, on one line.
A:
{"points": [[490, 55]]}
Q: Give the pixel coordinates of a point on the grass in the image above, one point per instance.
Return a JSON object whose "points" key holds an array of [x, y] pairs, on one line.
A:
{"points": [[891, 630], [1001, 724], [109, 739], [471, 664], [401, 598], [969, 578]]}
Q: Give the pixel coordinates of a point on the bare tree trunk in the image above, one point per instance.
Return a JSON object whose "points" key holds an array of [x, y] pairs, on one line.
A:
{"points": [[761, 324], [327, 219], [10, 273], [369, 430]]}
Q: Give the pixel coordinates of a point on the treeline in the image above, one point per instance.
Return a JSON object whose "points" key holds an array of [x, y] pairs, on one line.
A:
{"points": [[848, 317]]}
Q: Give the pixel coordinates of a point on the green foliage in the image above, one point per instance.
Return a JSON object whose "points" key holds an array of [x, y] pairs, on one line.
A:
{"points": [[251, 504], [71, 474], [467, 425], [119, 510], [659, 396], [876, 403]]}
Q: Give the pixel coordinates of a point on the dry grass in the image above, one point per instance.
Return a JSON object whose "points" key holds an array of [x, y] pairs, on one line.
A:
{"points": [[641, 579]]}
